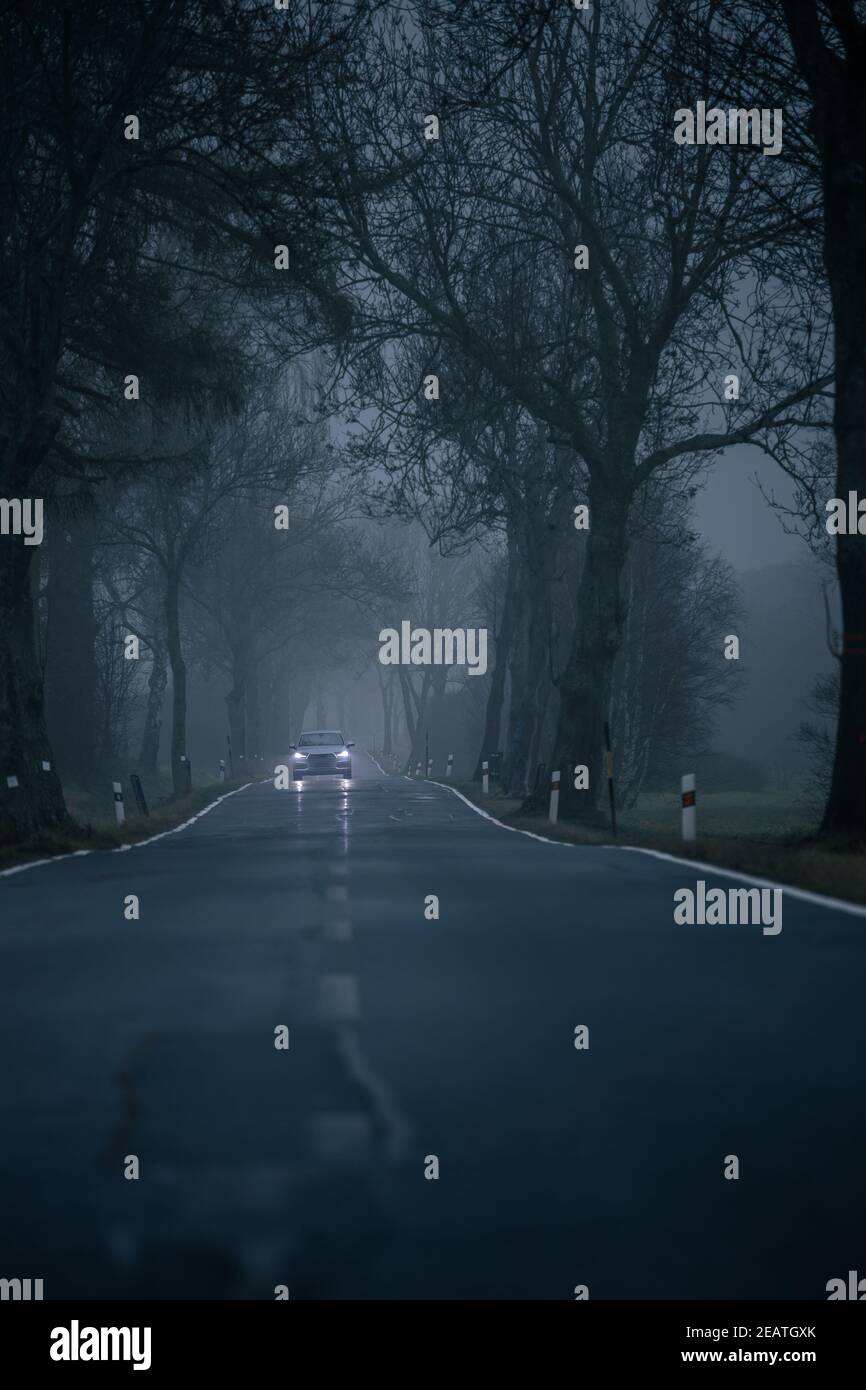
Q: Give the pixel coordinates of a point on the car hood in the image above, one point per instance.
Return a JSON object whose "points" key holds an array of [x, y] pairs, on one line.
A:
{"points": [[323, 748]]}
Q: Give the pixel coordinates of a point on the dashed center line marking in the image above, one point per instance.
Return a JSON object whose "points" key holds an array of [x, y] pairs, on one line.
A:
{"points": [[395, 1128], [341, 1134], [340, 929], [339, 999]]}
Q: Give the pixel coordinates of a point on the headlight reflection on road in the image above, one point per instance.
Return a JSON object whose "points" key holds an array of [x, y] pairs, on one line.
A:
{"points": [[343, 817]]}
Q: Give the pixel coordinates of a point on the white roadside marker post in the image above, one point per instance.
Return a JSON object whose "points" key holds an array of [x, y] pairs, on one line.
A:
{"points": [[450, 767], [690, 810], [485, 779], [554, 797], [119, 813], [222, 769]]}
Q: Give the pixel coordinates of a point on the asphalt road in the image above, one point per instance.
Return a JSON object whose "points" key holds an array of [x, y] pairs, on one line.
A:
{"points": [[411, 1038]]}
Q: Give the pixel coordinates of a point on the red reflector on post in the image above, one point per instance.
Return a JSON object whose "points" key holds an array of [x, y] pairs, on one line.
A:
{"points": [[688, 798]]}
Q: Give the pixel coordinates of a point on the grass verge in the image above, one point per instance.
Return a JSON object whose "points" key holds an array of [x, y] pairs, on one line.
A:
{"points": [[757, 833], [102, 835]]}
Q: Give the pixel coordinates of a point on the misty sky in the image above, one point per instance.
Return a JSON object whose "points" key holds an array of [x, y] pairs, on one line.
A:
{"points": [[737, 522], [734, 518]]}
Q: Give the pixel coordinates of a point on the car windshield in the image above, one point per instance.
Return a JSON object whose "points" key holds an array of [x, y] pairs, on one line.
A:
{"points": [[321, 739]]}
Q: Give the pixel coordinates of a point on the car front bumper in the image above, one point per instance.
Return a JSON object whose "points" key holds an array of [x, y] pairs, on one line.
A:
{"points": [[322, 765]]}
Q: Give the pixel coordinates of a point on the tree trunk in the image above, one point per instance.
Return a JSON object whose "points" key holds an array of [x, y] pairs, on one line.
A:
{"points": [[844, 141], [37, 802], [518, 673], [434, 724], [386, 690], [150, 738], [585, 684], [538, 736], [179, 774], [71, 672], [301, 687], [836, 77], [253, 713], [530, 698], [502, 651], [417, 750], [530, 675], [414, 707], [236, 707], [275, 708], [387, 736]]}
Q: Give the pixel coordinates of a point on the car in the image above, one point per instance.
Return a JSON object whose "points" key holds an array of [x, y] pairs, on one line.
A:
{"points": [[321, 752]]}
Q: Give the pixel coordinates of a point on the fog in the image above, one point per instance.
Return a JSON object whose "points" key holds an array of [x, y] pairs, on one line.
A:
{"points": [[432, 680]]}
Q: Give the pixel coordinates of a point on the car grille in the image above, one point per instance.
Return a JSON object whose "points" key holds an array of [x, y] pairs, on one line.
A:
{"points": [[322, 762]]}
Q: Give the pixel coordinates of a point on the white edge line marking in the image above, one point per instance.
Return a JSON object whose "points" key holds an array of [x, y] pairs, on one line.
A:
{"points": [[378, 764], [137, 844], [52, 859], [515, 829], [838, 904], [855, 909]]}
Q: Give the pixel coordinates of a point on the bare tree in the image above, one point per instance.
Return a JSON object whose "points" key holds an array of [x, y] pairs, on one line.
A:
{"points": [[671, 677], [132, 155], [170, 514], [829, 47], [556, 132]]}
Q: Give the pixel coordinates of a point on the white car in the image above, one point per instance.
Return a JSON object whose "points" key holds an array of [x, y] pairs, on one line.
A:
{"points": [[321, 751]]}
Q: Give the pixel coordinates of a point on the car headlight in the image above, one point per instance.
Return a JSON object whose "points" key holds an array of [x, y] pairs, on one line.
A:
{"points": [[300, 755], [344, 754]]}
